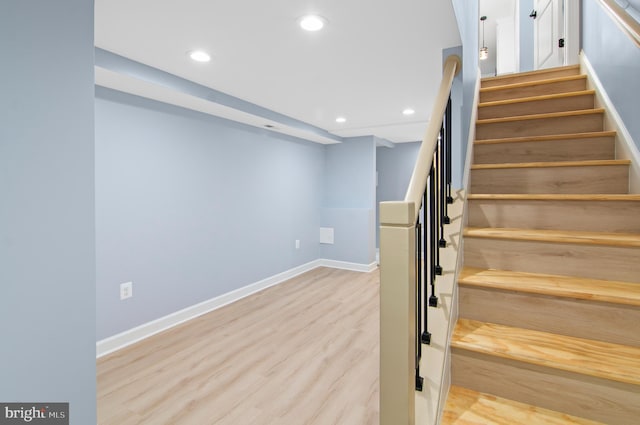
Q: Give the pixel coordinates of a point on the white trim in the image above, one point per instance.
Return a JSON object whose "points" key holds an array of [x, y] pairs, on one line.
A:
{"points": [[572, 32], [472, 134], [625, 147], [137, 334], [356, 267]]}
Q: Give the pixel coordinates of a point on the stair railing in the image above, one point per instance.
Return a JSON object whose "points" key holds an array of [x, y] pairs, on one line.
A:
{"points": [[628, 24], [406, 227]]}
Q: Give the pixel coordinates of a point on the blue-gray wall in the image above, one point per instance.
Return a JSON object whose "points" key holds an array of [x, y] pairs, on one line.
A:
{"points": [[349, 200], [47, 258], [190, 206], [468, 19], [458, 145], [394, 166], [616, 61]]}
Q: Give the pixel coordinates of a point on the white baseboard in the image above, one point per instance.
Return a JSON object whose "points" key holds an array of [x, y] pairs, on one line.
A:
{"points": [[131, 336], [356, 267], [625, 147]]}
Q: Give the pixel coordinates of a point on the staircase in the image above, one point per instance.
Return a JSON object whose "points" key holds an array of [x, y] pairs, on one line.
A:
{"points": [[549, 297]]}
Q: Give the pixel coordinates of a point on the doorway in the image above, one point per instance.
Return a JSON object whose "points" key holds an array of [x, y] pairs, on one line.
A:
{"points": [[526, 35]]}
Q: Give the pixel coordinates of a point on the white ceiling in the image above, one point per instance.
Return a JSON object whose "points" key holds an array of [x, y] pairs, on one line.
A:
{"points": [[373, 59]]}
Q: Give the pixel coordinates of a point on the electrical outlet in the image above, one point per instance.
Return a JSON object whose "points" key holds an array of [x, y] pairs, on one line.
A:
{"points": [[126, 290], [297, 243]]}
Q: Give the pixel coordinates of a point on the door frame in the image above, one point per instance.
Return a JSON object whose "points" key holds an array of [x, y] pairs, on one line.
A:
{"points": [[572, 32]]}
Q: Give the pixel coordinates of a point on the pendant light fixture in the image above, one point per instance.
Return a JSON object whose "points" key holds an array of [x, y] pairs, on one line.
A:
{"points": [[484, 50]]}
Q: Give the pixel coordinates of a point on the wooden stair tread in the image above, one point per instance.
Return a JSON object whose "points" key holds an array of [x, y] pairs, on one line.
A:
{"points": [[546, 138], [535, 98], [532, 83], [599, 359], [527, 73], [587, 163], [625, 293], [468, 407], [552, 197], [595, 111], [559, 236]]}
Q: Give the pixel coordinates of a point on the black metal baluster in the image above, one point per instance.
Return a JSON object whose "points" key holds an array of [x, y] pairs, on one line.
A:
{"points": [[433, 245], [447, 119], [436, 212], [419, 284], [426, 335], [419, 379], [441, 188]]}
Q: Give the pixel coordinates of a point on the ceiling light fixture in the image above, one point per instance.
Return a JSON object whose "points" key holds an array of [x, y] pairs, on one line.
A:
{"points": [[484, 50], [199, 56], [408, 111], [341, 120], [312, 22]]}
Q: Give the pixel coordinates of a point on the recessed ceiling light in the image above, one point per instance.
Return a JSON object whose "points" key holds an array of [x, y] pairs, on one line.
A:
{"points": [[408, 111], [341, 120], [199, 56], [312, 22]]}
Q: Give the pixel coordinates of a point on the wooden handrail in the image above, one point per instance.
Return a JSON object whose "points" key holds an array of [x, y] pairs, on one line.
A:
{"points": [[425, 154], [626, 22]]}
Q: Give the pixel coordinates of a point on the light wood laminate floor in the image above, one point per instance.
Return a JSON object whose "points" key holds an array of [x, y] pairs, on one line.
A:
{"points": [[302, 352]]}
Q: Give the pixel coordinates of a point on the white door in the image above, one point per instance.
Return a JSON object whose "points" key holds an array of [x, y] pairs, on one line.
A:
{"points": [[548, 29]]}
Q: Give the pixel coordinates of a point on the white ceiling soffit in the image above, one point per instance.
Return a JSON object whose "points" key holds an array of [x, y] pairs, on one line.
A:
{"points": [[398, 133], [140, 87], [373, 59]]}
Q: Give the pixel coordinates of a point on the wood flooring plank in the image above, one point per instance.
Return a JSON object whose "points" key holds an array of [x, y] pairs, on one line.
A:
{"points": [[540, 74], [553, 197], [553, 285], [536, 98], [534, 117], [590, 163], [597, 399], [545, 138], [300, 352], [567, 259], [555, 214], [543, 82], [567, 149], [468, 407], [604, 360], [559, 236], [533, 88]]}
